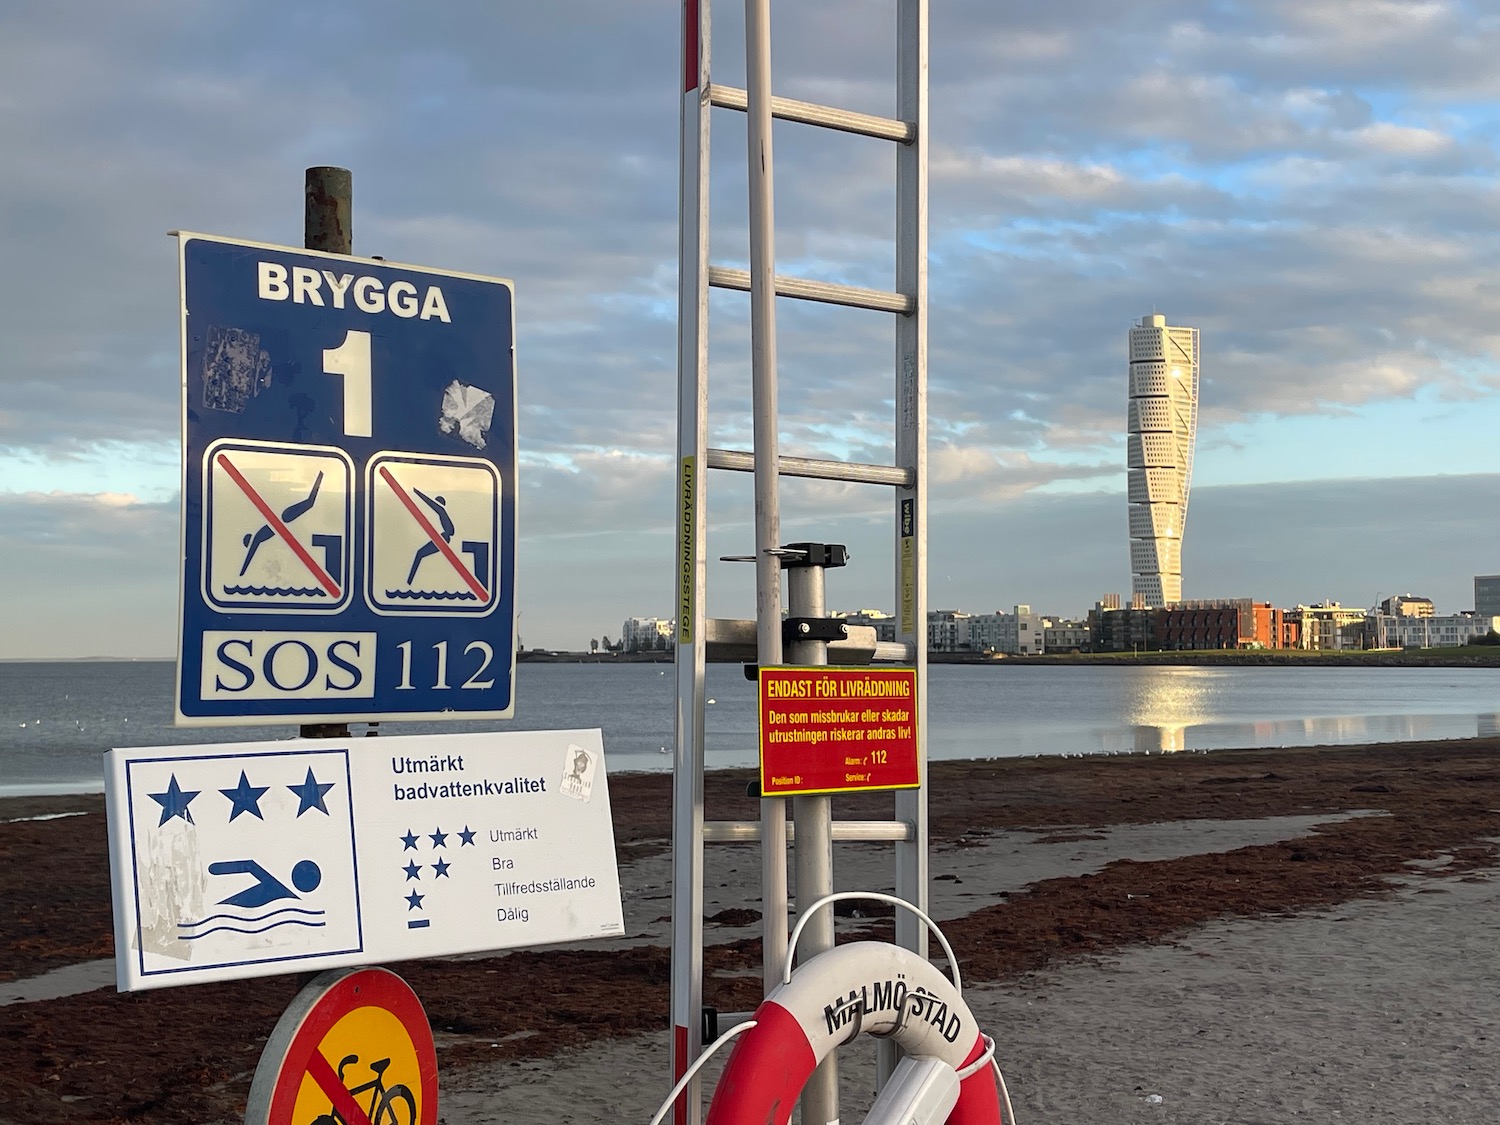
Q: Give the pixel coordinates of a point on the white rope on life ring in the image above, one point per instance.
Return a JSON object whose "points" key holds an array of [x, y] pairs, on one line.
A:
{"points": [[864, 986]]}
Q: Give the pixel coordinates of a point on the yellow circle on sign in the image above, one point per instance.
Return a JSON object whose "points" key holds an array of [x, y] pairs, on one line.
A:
{"points": [[370, 1050]]}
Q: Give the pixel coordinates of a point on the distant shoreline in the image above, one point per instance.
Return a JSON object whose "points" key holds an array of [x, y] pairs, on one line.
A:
{"points": [[1466, 656]]}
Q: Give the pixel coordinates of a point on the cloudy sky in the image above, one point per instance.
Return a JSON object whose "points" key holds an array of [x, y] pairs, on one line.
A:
{"points": [[1309, 182]]}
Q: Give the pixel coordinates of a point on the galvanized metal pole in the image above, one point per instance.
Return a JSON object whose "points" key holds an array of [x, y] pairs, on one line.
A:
{"points": [[328, 225], [691, 560], [814, 848], [767, 451], [912, 36]]}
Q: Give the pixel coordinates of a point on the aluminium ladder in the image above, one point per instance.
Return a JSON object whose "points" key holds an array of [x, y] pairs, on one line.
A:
{"points": [[699, 638]]}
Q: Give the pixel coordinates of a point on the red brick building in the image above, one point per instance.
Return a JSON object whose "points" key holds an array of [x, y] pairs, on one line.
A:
{"points": [[1228, 623]]}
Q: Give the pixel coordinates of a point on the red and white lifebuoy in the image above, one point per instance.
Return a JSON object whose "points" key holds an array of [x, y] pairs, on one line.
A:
{"points": [[865, 986]]}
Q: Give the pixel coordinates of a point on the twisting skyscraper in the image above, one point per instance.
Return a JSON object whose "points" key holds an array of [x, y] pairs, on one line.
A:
{"points": [[1163, 425]]}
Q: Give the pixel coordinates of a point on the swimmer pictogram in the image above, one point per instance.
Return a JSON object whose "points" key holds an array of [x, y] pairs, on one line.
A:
{"points": [[433, 535], [242, 860], [277, 528]]}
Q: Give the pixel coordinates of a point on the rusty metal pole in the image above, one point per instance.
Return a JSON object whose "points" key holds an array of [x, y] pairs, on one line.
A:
{"points": [[327, 225], [327, 215]]}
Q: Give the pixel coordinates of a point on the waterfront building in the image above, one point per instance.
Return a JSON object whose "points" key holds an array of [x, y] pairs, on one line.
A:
{"points": [[1391, 630], [1407, 605], [1066, 636], [1487, 595], [1328, 626], [1226, 623], [1122, 630], [647, 634], [948, 630], [1018, 633], [1162, 426]]}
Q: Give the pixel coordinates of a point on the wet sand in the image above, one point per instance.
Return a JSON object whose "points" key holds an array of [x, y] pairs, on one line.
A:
{"points": [[1255, 936]]}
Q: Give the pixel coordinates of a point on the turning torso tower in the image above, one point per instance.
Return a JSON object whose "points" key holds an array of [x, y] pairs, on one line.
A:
{"points": [[1163, 425]]}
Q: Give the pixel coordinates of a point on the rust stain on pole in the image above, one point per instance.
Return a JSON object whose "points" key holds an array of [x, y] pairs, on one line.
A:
{"points": [[328, 225], [328, 216]]}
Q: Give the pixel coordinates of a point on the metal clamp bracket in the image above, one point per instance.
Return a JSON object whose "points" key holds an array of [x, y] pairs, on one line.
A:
{"points": [[814, 554], [795, 629]]}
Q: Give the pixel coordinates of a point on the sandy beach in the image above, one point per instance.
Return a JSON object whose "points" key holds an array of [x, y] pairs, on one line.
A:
{"points": [[1237, 936]]}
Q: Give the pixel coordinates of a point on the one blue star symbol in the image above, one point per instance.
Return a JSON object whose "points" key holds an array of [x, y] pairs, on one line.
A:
{"points": [[311, 794], [414, 901], [413, 871], [409, 840], [465, 835], [245, 797], [175, 802], [439, 838], [441, 867]]}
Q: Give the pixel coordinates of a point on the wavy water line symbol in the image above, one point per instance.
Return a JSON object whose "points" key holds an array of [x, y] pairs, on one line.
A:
{"points": [[437, 595], [252, 921], [286, 591]]}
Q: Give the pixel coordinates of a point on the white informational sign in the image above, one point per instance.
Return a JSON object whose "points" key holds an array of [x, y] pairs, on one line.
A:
{"points": [[253, 859]]}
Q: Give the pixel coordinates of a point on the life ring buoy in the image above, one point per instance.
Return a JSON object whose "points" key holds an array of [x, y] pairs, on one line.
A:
{"points": [[864, 986]]}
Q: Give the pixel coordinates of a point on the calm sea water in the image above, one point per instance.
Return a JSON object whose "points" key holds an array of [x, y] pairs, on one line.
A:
{"points": [[56, 719]]}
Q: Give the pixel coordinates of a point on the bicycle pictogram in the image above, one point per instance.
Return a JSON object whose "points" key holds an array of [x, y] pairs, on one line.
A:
{"points": [[385, 1101]]}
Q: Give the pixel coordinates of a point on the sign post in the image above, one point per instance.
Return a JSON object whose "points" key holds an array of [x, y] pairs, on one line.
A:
{"points": [[349, 489]]}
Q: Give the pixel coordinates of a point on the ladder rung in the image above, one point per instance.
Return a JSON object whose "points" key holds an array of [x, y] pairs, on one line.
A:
{"points": [[810, 113], [894, 652], [743, 461], [866, 831], [826, 291]]}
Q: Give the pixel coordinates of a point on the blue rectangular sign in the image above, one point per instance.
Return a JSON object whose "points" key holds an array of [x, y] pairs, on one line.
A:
{"points": [[349, 489]]}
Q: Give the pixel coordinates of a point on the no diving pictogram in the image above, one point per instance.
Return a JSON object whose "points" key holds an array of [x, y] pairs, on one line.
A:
{"points": [[354, 1048], [276, 527], [433, 535]]}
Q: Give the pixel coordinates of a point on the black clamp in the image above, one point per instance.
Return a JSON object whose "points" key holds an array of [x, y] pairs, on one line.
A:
{"points": [[795, 629], [814, 554]]}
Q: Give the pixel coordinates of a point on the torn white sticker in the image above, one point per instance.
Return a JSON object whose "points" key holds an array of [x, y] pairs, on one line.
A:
{"points": [[469, 411], [578, 773]]}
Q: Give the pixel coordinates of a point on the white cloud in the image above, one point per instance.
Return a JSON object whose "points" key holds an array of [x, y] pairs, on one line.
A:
{"points": [[1308, 181]]}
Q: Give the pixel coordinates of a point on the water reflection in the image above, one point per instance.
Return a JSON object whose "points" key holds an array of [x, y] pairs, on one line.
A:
{"points": [[1164, 739], [1328, 730]]}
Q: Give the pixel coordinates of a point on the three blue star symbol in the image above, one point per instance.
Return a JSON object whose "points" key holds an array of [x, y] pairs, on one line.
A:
{"points": [[441, 867], [175, 802], [465, 836], [414, 901], [413, 871], [409, 841], [310, 794], [439, 838], [245, 797]]}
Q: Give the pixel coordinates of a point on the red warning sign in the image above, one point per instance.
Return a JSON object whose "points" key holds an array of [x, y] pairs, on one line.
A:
{"points": [[353, 1047], [837, 730]]}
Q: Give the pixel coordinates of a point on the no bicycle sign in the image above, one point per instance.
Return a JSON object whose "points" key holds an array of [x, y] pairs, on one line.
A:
{"points": [[353, 1047]]}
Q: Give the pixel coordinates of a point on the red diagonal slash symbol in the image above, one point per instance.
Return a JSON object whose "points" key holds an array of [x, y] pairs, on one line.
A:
{"points": [[333, 1089], [281, 529], [432, 533]]}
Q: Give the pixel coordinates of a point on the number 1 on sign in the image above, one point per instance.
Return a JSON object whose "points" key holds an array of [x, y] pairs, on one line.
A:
{"points": [[351, 359]]}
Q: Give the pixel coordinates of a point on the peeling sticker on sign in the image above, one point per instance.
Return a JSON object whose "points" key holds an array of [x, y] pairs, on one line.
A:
{"points": [[578, 773], [235, 368], [469, 411]]}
